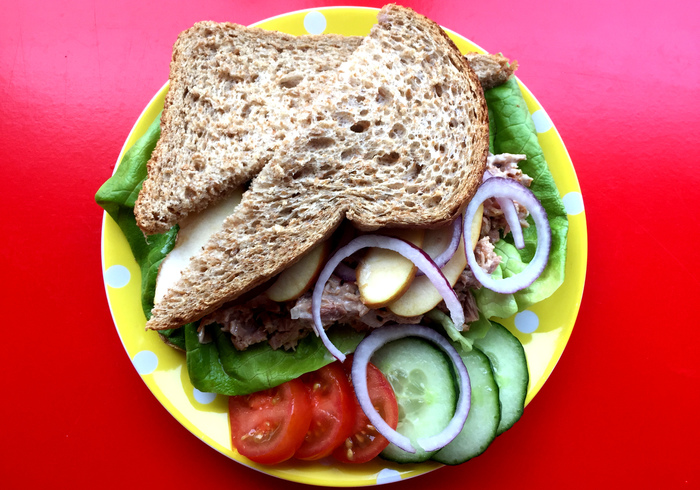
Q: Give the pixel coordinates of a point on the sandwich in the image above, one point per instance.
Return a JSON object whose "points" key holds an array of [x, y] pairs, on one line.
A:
{"points": [[377, 151]]}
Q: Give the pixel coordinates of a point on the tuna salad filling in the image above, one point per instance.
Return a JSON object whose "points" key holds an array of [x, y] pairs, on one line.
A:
{"points": [[282, 325]]}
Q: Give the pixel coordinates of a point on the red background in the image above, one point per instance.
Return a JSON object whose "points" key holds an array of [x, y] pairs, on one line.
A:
{"points": [[619, 80]]}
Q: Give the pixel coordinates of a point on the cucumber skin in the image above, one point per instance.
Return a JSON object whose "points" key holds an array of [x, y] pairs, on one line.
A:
{"points": [[509, 364], [484, 417], [413, 352]]}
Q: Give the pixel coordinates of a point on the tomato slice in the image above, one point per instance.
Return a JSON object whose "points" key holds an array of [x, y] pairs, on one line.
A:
{"points": [[269, 426], [366, 443], [332, 408]]}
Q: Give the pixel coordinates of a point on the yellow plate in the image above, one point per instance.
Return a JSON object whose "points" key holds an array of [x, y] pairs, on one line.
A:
{"points": [[544, 329]]}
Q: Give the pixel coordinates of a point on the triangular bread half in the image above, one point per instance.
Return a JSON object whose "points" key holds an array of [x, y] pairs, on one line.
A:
{"points": [[234, 97], [399, 137]]}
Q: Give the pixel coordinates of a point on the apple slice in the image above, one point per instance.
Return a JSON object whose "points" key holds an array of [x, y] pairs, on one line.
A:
{"points": [[384, 275], [421, 296], [476, 225], [437, 240], [193, 235], [297, 279]]}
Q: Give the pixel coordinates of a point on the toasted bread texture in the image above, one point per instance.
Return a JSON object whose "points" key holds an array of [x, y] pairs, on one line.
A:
{"points": [[233, 100], [398, 138]]}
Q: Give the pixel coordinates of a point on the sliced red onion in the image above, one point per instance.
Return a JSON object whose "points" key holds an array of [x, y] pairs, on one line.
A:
{"points": [[511, 216], [406, 249], [446, 255], [499, 187], [346, 273], [377, 339]]}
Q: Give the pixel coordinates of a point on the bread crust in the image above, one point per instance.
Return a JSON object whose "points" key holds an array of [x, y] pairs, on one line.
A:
{"points": [[399, 137]]}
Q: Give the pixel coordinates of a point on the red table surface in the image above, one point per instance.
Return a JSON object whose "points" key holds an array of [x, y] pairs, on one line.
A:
{"points": [[619, 80]]}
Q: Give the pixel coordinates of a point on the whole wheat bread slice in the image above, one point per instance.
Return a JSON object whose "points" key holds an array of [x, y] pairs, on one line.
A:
{"points": [[399, 137], [233, 99]]}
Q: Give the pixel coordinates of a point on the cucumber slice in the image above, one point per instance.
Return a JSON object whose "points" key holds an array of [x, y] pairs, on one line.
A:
{"points": [[484, 414], [426, 391], [507, 357]]}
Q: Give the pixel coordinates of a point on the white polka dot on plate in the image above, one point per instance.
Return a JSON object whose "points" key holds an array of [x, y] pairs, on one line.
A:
{"points": [[388, 475], [527, 321], [573, 203], [117, 276], [145, 362], [203, 397], [542, 121], [315, 22]]}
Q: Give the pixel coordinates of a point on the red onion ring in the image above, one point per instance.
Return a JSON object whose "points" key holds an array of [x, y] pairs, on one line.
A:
{"points": [[446, 255], [499, 187], [346, 273], [377, 339], [511, 216], [406, 249]]}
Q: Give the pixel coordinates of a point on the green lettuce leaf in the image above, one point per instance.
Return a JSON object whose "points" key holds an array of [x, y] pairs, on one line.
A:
{"points": [[464, 338], [117, 197], [218, 367], [512, 131]]}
